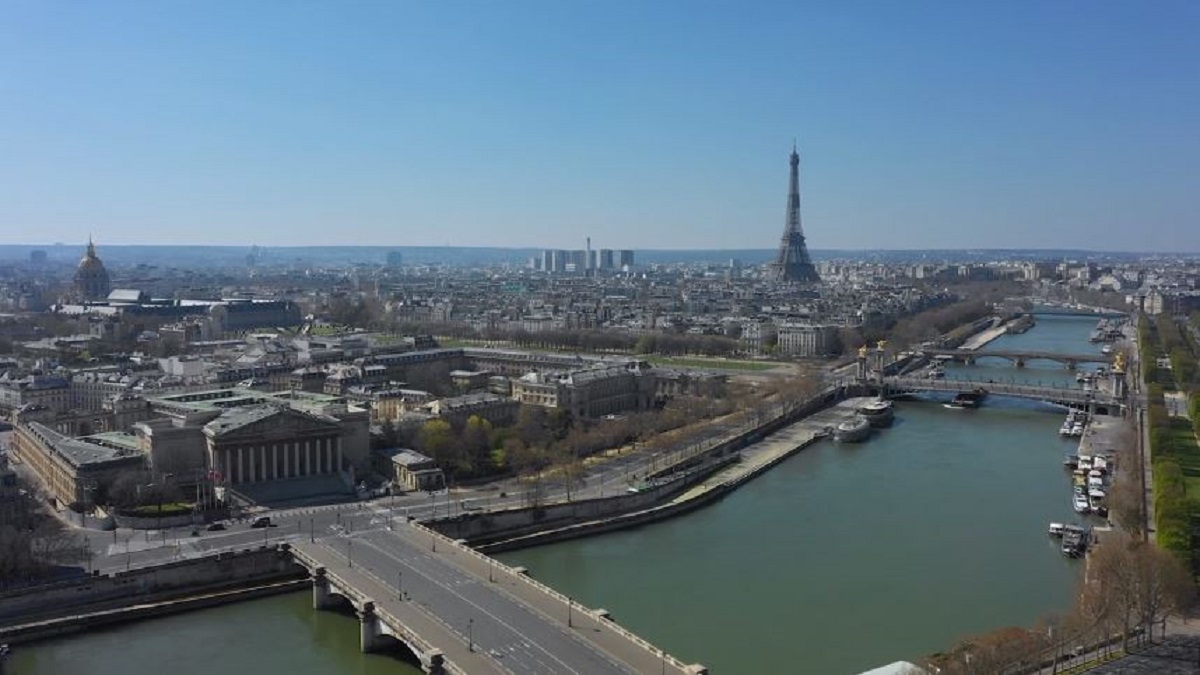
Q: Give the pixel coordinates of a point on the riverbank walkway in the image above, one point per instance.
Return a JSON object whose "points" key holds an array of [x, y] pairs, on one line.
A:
{"points": [[758, 457], [984, 337]]}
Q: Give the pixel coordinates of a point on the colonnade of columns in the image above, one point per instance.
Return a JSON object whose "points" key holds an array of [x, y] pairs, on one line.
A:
{"points": [[255, 462]]}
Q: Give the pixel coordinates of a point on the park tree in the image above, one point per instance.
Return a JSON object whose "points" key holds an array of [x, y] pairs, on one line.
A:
{"points": [[477, 446], [32, 542], [568, 467], [437, 439], [1137, 584], [531, 426]]}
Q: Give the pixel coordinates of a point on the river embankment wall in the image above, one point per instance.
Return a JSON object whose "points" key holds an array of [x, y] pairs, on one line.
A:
{"points": [[516, 528], [644, 517], [484, 526], [42, 611]]}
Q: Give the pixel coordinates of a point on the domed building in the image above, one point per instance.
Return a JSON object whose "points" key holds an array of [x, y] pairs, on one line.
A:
{"points": [[91, 279]]}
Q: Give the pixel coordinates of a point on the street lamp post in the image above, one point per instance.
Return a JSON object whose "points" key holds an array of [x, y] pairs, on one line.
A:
{"points": [[400, 584], [312, 531], [470, 635], [349, 552], [569, 618]]}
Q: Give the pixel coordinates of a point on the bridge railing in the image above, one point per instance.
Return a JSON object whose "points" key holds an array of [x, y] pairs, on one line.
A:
{"points": [[1052, 392], [566, 600]]}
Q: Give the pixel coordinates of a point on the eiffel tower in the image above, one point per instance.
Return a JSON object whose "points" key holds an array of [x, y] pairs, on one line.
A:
{"points": [[793, 262]]}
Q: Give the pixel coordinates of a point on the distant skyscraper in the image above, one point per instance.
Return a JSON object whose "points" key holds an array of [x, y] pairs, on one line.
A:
{"points": [[578, 261], [37, 258], [793, 262], [625, 258], [606, 259]]}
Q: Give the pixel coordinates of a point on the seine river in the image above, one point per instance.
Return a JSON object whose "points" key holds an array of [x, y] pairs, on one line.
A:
{"points": [[843, 558]]}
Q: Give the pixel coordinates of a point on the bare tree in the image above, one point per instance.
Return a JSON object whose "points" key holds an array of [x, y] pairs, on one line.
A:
{"points": [[32, 542]]}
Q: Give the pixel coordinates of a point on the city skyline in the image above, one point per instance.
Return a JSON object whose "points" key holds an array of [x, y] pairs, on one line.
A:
{"points": [[948, 127]]}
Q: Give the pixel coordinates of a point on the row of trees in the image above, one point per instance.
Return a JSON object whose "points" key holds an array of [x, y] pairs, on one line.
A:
{"points": [[1131, 587], [1173, 447], [920, 327], [542, 437]]}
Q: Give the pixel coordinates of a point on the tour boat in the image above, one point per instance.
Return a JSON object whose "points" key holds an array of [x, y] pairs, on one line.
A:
{"points": [[853, 430], [967, 400], [878, 413], [1070, 461], [1080, 503], [1065, 429], [1056, 529], [1076, 430], [1106, 349]]}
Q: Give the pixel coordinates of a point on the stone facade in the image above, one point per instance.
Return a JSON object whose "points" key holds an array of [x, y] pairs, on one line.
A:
{"points": [[71, 469]]}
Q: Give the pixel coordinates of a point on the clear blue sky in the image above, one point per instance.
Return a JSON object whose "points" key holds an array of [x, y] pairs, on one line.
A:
{"points": [[1047, 123]]}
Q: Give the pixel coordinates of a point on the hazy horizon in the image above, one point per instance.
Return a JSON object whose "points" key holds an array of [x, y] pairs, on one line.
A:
{"points": [[650, 126]]}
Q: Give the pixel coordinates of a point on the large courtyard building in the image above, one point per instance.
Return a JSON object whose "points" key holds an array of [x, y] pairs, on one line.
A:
{"points": [[73, 469]]}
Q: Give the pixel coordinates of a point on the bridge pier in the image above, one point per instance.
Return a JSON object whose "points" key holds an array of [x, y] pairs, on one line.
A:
{"points": [[1070, 364], [1020, 362], [320, 590], [368, 631]]}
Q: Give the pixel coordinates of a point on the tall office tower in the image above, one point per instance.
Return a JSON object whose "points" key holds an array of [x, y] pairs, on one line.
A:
{"points": [[626, 259], [560, 261], [588, 260], [547, 260], [606, 259], [578, 261], [793, 263]]}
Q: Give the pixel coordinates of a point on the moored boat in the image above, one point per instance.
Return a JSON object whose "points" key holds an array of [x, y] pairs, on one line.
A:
{"points": [[1080, 503], [878, 413], [853, 430], [1075, 542]]}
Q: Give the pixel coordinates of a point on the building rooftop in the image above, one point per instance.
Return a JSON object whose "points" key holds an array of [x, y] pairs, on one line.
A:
{"points": [[406, 457], [238, 418], [80, 452]]}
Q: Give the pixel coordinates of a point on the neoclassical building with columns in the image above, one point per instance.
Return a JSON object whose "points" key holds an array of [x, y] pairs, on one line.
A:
{"points": [[261, 445], [272, 442]]}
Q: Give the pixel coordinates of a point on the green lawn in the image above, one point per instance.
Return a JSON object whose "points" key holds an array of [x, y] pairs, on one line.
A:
{"points": [[716, 364], [168, 509]]}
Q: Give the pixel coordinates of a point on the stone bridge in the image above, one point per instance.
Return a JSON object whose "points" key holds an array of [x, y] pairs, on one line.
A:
{"points": [[1019, 359], [1071, 397], [460, 611]]}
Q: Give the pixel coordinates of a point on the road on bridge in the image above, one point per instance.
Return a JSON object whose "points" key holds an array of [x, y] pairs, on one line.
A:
{"points": [[518, 628]]}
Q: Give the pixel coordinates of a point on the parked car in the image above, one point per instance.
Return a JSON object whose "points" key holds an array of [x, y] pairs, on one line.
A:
{"points": [[262, 521], [215, 527]]}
